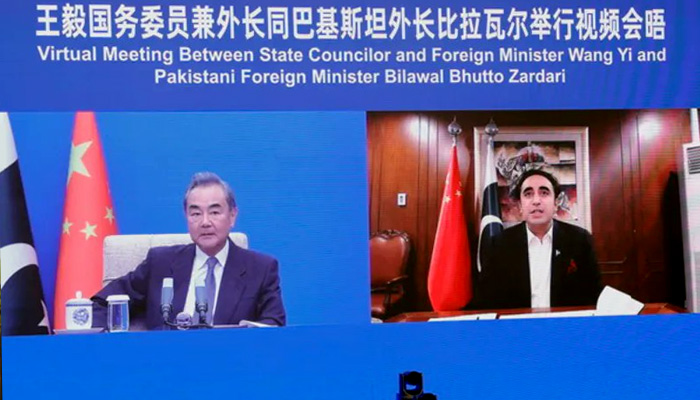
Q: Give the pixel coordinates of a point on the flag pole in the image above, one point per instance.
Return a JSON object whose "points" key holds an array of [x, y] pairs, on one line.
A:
{"points": [[454, 129]]}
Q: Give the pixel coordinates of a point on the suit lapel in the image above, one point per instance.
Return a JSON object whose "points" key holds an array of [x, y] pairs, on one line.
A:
{"points": [[232, 286], [560, 253], [522, 263], [182, 272]]}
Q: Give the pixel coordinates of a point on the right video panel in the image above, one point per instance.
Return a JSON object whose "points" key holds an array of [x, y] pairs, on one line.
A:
{"points": [[527, 214]]}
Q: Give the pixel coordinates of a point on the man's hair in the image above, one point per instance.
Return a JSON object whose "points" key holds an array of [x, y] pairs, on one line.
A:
{"points": [[207, 179], [515, 193]]}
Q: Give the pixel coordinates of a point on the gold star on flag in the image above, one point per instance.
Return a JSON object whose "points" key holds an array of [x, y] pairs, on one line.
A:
{"points": [[66, 226], [446, 199], [458, 193], [110, 215], [89, 230], [76, 160]]}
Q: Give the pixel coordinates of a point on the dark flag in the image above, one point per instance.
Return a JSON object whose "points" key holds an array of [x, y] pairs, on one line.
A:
{"points": [[491, 223], [23, 307]]}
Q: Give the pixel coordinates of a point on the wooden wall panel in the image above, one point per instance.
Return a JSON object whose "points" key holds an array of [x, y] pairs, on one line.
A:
{"points": [[610, 185], [630, 193], [660, 135], [408, 153]]}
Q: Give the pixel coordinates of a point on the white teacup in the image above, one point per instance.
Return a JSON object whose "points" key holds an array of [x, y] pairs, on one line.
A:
{"points": [[78, 312]]}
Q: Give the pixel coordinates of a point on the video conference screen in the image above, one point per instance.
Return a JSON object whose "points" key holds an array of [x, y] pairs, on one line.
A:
{"points": [[387, 187]]}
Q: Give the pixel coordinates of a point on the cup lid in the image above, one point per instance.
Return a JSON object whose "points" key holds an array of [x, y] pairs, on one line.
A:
{"points": [[78, 300], [117, 298]]}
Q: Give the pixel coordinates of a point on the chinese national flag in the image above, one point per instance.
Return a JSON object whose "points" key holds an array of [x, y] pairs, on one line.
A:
{"points": [[88, 217], [449, 279]]}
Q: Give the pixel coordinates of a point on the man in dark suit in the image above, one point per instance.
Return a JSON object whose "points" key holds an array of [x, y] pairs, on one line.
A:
{"points": [[540, 262], [240, 284]]}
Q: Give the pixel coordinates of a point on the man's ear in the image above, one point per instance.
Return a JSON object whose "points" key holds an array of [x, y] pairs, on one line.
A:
{"points": [[234, 214]]}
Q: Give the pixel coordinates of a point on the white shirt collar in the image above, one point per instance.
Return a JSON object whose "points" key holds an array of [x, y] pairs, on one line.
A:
{"points": [[200, 257], [547, 236]]}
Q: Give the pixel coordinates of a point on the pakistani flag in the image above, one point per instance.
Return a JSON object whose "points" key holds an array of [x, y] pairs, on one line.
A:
{"points": [[491, 223], [23, 307]]}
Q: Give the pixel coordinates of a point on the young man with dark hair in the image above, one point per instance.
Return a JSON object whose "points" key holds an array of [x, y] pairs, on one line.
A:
{"points": [[541, 262]]}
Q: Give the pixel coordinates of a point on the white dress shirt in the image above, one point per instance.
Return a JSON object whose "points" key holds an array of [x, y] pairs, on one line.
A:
{"points": [[540, 257], [199, 273]]}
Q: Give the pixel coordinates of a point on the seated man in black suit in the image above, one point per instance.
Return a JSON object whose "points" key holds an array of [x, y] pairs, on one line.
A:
{"points": [[540, 262], [240, 284]]}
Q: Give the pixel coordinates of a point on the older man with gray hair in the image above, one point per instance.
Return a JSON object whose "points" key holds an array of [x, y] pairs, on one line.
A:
{"points": [[240, 284]]}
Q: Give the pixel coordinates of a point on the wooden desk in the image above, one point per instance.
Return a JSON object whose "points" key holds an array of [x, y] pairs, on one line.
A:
{"points": [[649, 309]]}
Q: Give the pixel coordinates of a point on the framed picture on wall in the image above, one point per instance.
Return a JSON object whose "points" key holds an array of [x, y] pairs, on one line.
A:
{"points": [[561, 151]]}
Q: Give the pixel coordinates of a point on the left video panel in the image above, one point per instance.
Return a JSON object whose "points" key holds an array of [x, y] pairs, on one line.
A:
{"points": [[300, 186]]}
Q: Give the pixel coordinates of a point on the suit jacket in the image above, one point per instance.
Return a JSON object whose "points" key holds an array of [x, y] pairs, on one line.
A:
{"points": [[249, 288], [575, 278]]}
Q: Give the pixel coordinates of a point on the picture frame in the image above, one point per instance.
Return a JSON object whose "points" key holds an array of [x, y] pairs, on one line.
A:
{"points": [[562, 151]]}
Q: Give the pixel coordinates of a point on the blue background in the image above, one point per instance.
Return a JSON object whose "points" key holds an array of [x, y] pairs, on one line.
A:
{"points": [[299, 179], [645, 357], [30, 84]]}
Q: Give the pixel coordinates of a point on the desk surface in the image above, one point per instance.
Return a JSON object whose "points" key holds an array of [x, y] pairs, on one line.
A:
{"points": [[649, 309], [571, 358]]}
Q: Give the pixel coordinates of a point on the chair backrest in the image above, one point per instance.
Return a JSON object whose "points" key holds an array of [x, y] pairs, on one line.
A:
{"points": [[123, 253], [389, 251]]}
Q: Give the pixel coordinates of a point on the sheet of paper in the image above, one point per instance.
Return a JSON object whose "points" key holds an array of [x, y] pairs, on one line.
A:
{"points": [[472, 317], [561, 314], [614, 302], [253, 324]]}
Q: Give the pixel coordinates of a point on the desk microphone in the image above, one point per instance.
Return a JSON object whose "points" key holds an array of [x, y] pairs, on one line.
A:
{"points": [[166, 298], [200, 296]]}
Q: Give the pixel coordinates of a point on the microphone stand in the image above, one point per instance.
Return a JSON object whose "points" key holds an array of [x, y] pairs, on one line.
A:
{"points": [[202, 313], [187, 327], [201, 325]]}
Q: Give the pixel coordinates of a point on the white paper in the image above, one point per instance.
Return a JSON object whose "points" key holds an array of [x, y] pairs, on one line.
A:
{"points": [[614, 302], [471, 317], [253, 324], [610, 302], [561, 314]]}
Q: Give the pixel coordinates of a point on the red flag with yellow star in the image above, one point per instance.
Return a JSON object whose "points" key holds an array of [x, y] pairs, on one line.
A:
{"points": [[449, 278], [88, 217]]}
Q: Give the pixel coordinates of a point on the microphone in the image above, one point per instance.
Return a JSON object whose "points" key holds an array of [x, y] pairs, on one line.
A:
{"points": [[200, 295], [183, 321], [166, 298]]}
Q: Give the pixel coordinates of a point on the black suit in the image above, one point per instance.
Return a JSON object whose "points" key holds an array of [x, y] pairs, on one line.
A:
{"points": [[575, 278], [250, 287]]}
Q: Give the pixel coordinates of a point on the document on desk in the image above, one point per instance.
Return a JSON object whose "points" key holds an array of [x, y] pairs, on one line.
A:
{"points": [[614, 302], [560, 314], [472, 317], [252, 324], [610, 302]]}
